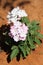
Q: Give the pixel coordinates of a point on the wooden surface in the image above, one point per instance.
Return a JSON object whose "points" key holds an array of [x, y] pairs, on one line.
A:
{"points": [[34, 9]]}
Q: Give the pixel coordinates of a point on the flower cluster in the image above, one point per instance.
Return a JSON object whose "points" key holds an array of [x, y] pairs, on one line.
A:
{"points": [[18, 31], [15, 15]]}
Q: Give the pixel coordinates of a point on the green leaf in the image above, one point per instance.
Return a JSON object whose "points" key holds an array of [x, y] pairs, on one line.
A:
{"points": [[34, 22], [14, 53], [13, 47], [23, 50], [40, 35], [25, 20], [37, 41], [32, 32], [31, 43], [6, 43], [28, 50], [25, 46], [34, 26]]}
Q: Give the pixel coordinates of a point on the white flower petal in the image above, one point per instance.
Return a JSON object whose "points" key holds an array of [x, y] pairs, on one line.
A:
{"points": [[16, 38], [14, 11], [16, 14], [22, 13]]}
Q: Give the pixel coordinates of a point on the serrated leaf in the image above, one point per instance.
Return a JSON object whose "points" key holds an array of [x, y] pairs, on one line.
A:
{"points": [[31, 43], [32, 32], [28, 50], [37, 41], [13, 47], [35, 26], [34, 22], [25, 20], [23, 50], [40, 35], [14, 53]]}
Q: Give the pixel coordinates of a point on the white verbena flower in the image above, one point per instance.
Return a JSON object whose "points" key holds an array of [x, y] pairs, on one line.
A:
{"points": [[18, 31], [16, 15]]}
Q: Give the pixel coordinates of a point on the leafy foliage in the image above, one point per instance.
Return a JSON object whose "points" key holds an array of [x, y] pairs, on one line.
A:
{"points": [[24, 47], [14, 53]]}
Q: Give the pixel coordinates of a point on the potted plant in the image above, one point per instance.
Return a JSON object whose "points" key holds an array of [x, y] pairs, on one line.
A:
{"points": [[21, 35]]}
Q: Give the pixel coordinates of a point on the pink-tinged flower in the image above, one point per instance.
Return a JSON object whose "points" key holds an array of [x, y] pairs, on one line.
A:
{"points": [[18, 31]]}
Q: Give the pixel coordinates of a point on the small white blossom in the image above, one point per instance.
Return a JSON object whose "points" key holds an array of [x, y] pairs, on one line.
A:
{"points": [[16, 15]]}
